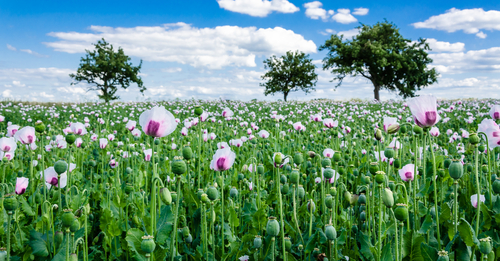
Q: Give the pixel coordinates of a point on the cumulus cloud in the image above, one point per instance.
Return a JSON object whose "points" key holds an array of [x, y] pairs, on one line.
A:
{"points": [[360, 11], [439, 46], [258, 8], [344, 16], [485, 60], [12, 48], [349, 33], [211, 48], [172, 70], [314, 11], [470, 21]]}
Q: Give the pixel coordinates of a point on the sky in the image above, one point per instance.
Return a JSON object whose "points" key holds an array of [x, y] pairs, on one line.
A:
{"points": [[212, 49]]}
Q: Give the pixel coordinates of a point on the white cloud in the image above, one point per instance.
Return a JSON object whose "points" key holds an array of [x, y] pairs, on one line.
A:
{"points": [[349, 33], [7, 94], [485, 60], [470, 21], [481, 35], [213, 48], [314, 11], [259, 8], [328, 32], [12, 48], [439, 46], [172, 70], [344, 16], [360, 11], [18, 84]]}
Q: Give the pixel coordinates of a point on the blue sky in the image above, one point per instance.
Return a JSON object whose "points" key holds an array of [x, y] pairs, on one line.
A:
{"points": [[210, 49]]}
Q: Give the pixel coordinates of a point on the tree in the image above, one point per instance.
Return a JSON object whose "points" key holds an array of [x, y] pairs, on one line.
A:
{"points": [[383, 56], [289, 73], [106, 70]]}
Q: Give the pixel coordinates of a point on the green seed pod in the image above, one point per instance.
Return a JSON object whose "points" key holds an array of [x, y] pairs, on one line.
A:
{"points": [[285, 189], [329, 201], [387, 197], [481, 147], [310, 204], [341, 170], [326, 162], [401, 212], [260, 169], [496, 186], [10, 204], [333, 191], [278, 158], [330, 232], [362, 208], [75, 226], [70, 138], [272, 227], [212, 193], [417, 129], [60, 167], [456, 170], [198, 110], [294, 176], [311, 154], [447, 163], [179, 166], [393, 128], [233, 192], [185, 231], [187, 153], [189, 239], [204, 198], [355, 172], [59, 236], [367, 180], [241, 176], [485, 245], [257, 242], [474, 139], [174, 196], [443, 256], [39, 127], [348, 196], [73, 257], [148, 245], [389, 153], [380, 177], [362, 199], [373, 168], [328, 173], [288, 244], [403, 129], [469, 167], [165, 196], [283, 179], [441, 173], [484, 168], [301, 192], [362, 216], [337, 156], [298, 158], [67, 218], [354, 228]]}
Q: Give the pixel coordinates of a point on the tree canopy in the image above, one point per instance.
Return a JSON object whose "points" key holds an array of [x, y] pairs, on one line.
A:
{"points": [[383, 56], [289, 73], [106, 70]]}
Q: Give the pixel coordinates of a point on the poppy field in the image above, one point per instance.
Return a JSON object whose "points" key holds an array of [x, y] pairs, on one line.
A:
{"points": [[231, 180]]}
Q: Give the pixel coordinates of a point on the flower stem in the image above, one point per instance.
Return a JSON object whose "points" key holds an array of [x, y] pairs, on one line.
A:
{"points": [[434, 180], [478, 210], [9, 219], [174, 232]]}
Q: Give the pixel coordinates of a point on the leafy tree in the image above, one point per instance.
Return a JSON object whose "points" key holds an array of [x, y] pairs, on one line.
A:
{"points": [[383, 56], [289, 73], [106, 70]]}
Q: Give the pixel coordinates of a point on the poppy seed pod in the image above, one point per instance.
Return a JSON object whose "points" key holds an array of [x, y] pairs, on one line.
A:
{"points": [[10, 204], [481, 147], [326, 162], [148, 245], [389, 153], [283, 179], [496, 186], [362, 199], [212, 193], [298, 158], [257, 242], [185, 231], [75, 226], [380, 177], [278, 158], [67, 218], [417, 129], [179, 166], [456, 170], [165, 196], [401, 212], [329, 201], [39, 127], [387, 197], [474, 139], [70, 138], [288, 244], [187, 153], [393, 128], [330, 232], [285, 189], [272, 227], [485, 245], [233, 192], [301, 192], [60, 167], [198, 110], [443, 256], [260, 169], [373, 168], [311, 206], [294, 176], [328, 173], [397, 163], [336, 156], [347, 196]]}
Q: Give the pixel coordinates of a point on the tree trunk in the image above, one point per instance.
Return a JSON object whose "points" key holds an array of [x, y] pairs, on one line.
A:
{"points": [[376, 92], [285, 94]]}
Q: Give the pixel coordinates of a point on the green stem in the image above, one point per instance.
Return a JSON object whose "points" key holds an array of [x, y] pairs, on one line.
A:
{"points": [[176, 215], [478, 210], [396, 234], [222, 210], [379, 242], [434, 180], [9, 219]]}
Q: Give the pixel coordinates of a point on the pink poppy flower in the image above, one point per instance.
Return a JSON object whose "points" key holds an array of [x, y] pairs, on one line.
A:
{"points": [[407, 172], [21, 185], [424, 110], [223, 159], [157, 122]]}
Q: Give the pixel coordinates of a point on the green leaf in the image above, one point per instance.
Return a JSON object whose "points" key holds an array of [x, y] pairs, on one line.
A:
{"points": [[428, 252], [486, 217], [426, 225], [387, 252], [466, 232], [445, 214], [411, 246], [134, 240], [365, 246], [26, 207], [233, 218], [38, 244]]}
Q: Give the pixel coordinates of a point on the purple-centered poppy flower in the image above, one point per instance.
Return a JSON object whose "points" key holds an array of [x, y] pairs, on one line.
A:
{"points": [[424, 110], [223, 159], [157, 122]]}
